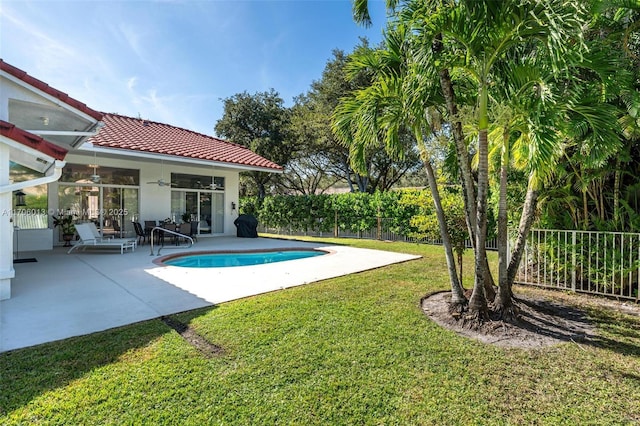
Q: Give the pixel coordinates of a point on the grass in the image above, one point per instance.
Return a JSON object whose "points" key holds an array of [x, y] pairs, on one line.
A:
{"points": [[351, 350]]}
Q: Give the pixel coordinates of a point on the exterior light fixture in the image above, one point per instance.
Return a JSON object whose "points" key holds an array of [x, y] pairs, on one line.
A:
{"points": [[20, 202]]}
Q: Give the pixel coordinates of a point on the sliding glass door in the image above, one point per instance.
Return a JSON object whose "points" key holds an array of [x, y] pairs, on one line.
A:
{"points": [[119, 208], [205, 207], [111, 208]]}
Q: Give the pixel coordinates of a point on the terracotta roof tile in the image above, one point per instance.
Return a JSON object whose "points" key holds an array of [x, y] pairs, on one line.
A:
{"points": [[33, 141], [136, 134], [41, 85]]}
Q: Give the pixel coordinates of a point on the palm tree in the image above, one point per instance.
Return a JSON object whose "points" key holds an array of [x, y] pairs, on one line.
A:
{"points": [[478, 35], [400, 97]]}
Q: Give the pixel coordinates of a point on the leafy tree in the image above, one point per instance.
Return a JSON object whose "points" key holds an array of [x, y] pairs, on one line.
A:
{"points": [[310, 170], [472, 42], [382, 111], [261, 123], [593, 186], [322, 160], [425, 223]]}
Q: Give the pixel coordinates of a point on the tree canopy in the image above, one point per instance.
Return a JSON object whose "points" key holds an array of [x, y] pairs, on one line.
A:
{"points": [[528, 73], [261, 123]]}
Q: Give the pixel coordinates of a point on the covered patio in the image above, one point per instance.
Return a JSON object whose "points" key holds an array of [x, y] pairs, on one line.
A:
{"points": [[62, 295]]}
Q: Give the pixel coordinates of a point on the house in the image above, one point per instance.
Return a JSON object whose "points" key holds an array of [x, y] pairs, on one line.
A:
{"points": [[106, 168]]}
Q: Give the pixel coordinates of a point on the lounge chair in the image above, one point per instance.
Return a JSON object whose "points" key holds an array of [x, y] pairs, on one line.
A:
{"points": [[87, 239], [96, 234]]}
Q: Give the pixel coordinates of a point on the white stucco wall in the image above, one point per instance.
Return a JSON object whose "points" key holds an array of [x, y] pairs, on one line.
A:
{"points": [[155, 201]]}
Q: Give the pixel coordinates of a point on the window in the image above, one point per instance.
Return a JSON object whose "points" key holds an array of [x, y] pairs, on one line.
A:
{"points": [[111, 201], [33, 215], [181, 180], [82, 173]]}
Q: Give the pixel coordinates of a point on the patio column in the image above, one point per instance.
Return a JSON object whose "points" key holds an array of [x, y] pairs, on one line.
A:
{"points": [[6, 227]]}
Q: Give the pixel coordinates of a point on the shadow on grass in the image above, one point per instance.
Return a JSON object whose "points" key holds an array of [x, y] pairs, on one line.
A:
{"points": [[28, 373], [554, 320], [599, 327], [617, 332]]}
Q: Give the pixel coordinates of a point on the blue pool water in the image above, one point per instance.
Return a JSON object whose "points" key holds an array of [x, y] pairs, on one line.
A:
{"points": [[223, 260]]}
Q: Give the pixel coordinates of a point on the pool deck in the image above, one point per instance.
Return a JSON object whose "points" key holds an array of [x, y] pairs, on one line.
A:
{"points": [[65, 295]]}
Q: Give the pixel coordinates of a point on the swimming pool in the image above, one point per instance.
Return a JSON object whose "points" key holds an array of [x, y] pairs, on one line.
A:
{"points": [[229, 259]]}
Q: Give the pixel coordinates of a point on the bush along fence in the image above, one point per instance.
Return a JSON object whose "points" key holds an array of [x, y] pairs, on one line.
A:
{"points": [[346, 215], [603, 263], [405, 215]]}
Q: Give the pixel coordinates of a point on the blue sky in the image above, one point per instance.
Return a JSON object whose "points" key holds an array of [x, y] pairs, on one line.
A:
{"points": [[173, 61]]}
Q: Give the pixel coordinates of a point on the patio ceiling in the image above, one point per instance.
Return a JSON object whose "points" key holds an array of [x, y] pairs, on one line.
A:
{"points": [[36, 107], [56, 124]]}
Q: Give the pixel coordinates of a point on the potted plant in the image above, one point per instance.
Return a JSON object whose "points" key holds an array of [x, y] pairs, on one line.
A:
{"points": [[66, 226], [186, 217]]}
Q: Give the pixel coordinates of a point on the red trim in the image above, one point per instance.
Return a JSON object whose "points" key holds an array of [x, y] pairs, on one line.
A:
{"points": [[33, 141], [38, 84]]}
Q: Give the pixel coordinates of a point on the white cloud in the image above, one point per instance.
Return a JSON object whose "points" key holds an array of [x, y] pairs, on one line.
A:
{"points": [[20, 33], [131, 83]]}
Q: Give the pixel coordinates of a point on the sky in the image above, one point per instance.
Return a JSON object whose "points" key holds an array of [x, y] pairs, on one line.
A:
{"points": [[174, 61]]}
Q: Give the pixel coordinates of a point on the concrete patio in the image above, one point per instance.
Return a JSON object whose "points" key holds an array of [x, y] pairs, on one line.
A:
{"points": [[64, 295]]}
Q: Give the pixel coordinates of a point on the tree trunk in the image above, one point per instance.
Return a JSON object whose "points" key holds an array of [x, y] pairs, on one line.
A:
{"points": [[585, 209], [616, 196], [460, 257], [458, 300], [503, 303], [526, 220], [478, 302], [468, 186], [504, 299], [462, 152], [462, 155]]}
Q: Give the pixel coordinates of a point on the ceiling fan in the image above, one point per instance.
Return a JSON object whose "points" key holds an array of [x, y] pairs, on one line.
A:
{"points": [[207, 186], [161, 181]]}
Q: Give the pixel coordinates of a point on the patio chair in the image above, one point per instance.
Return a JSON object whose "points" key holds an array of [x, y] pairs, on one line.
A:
{"points": [[142, 236], [204, 227], [94, 230], [164, 235], [185, 229], [87, 239], [194, 230], [148, 226]]}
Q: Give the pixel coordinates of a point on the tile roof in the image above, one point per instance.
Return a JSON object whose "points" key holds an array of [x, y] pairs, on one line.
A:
{"points": [[41, 85], [136, 134], [33, 141]]}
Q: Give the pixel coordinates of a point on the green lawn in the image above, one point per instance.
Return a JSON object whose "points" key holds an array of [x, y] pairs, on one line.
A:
{"points": [[352, 350]]}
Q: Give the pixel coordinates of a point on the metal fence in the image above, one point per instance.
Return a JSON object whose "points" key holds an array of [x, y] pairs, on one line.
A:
{"points": [[29, 220], [385, 230], [382, 231], [603, 263]]}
